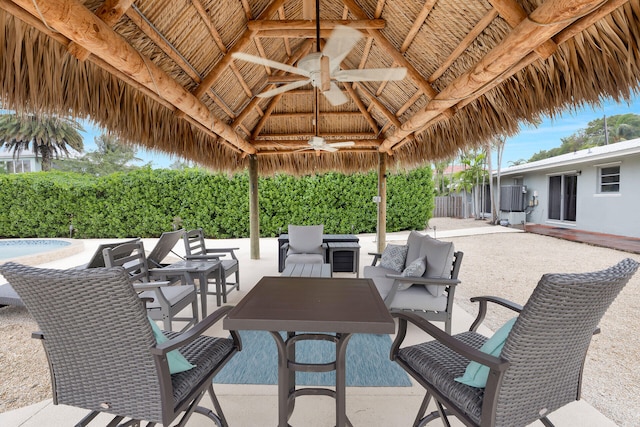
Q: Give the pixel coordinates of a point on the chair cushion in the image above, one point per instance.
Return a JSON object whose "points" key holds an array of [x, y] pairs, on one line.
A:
{"points": [[439, 261], [414, 242], [205, 353], [176, 361], [476, 374], [304, 259], [412, 298], [393, 257], [438, 365], [305, 239], [173, 294]]}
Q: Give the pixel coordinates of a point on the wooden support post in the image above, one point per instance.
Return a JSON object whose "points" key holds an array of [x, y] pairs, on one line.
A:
{"points": [[382, 206], [254, 208]]}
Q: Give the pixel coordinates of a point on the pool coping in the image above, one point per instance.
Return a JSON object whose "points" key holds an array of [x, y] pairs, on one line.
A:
{"points": [[75, 247]]}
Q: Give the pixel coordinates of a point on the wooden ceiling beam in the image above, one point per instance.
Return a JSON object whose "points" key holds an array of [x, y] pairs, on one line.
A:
{"points": [[110, 12], [325, 24], [349, 136], [242, 42], [363, 108], [247, 9], [154, 35], [35, 22], [287, 45], [409, 103], [311, 114], [273, 102], [255, 101], [316, 152], [514, 14], [304, 143], [386, 45], [422, 16], [547, 20], [379, 8], [77, 23], [464, 44]]}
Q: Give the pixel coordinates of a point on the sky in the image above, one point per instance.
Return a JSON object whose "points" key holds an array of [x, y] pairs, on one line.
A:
{"points": [[529, 141]]}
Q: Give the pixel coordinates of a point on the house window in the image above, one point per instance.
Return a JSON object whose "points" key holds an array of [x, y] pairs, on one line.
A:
{"points": [[609, 179], [563, 190], [17, 166]]}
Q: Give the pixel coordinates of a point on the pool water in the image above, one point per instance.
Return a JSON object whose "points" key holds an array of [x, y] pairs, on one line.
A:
{"points": [[17, 248]]}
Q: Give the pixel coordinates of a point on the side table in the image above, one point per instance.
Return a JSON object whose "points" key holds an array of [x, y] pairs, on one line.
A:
{"points": [[340, 263]]}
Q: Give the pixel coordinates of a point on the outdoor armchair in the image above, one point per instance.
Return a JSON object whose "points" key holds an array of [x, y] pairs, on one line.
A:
{"points": [[163, 301], [428, 290], [305, 245], [533, 364], [102, 352], [196, 249]]}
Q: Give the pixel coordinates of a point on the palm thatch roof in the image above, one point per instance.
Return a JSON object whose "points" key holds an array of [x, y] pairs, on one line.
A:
{"points": [[160, 74]]}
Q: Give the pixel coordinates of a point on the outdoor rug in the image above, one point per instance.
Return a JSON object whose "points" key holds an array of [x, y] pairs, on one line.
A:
{"points": [[368, 363]]}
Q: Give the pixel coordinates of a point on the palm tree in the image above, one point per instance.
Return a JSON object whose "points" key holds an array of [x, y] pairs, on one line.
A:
{"points": [[46, 135], [469, 179]]}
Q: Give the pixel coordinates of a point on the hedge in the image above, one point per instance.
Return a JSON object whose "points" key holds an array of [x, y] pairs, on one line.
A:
{"points": [[146, 202]]}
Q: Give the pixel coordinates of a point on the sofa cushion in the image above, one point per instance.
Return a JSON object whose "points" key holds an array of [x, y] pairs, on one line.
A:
{"points": [[414, 243], [393, 257], [439, 257], [305, 239], [304, 259], [415, 269], [413, 298]]}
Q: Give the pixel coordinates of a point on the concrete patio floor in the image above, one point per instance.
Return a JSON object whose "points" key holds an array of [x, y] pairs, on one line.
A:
{"points": [[256, 405]]}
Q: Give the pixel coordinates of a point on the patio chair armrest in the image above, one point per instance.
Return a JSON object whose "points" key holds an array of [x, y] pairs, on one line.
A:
{"points": [[195, 332], [229, 251], [471, 353], [150, 286], [203, 257], [285, 246], [37, 335], [376, 257], [482, 309]]}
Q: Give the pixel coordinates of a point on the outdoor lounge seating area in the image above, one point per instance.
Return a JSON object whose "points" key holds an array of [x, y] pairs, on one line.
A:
{"points": [[365, 406]]}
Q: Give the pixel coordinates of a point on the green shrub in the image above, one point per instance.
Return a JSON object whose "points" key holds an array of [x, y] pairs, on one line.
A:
{"points": [[146, 202]]}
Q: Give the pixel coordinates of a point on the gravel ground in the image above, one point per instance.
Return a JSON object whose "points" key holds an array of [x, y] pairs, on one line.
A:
{"points": [[506, 264]]}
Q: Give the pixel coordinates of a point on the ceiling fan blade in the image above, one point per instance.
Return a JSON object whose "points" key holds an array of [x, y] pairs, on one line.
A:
{"points": [[340, 43], [269, 63], [327, 147], [341, 144], [335, 95], [282, 89], [370, 74]]}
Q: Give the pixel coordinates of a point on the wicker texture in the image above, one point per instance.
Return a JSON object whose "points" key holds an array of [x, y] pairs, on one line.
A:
{"points": [[549, 341], [97, 337], [546, 349], [439, 365]]}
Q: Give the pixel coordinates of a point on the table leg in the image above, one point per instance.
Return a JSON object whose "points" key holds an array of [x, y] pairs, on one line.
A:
{"points": [[204, 291], [341, 380], [284, 376]]}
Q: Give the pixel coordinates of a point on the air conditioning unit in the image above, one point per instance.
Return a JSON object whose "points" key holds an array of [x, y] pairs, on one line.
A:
{"points": [[513, 198]]}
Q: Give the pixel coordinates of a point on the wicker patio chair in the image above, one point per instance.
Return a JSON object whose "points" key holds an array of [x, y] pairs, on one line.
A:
{"points": [[103, 355], [196, 249], [164, 302], [540, 366]]}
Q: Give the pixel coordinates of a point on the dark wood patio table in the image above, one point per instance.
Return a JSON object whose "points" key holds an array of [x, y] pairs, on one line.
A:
{"points": [[326, 306]]}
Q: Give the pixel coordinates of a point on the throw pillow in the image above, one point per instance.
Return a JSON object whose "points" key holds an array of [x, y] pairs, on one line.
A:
{"points": [[414, 242], [177, 362], [439, 256], [393, 257], [415, 269], [476, 375]]}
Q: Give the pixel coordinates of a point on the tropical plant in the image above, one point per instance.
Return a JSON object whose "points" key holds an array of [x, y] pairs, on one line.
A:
{"points": [[111, 156], [469, 179], [47, 136]]}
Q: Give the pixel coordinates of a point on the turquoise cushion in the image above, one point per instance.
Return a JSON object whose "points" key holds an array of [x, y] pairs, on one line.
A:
{"points": [[177, 362], [476, 374]]}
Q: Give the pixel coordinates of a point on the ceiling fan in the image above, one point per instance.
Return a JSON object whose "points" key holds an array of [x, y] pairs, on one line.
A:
{"points": [[322, 69], [318, 143]]}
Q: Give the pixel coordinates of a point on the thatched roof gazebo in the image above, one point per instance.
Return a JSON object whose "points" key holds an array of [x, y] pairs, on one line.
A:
{"points": [[162, 74]]}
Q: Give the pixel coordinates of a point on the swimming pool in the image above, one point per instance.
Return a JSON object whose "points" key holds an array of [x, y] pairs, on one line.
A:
{"points": [[22, 247]]}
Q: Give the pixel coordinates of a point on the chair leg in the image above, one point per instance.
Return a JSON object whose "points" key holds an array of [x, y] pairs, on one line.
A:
{"points": [[216, 405], [422, 420], [546, 422]]}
